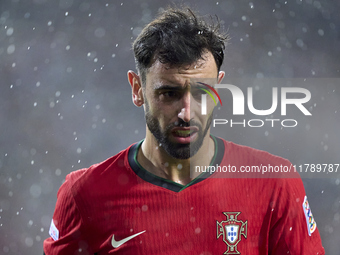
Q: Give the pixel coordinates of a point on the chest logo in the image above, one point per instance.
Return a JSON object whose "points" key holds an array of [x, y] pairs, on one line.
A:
{"points": [[116, 244], [232, 230]]}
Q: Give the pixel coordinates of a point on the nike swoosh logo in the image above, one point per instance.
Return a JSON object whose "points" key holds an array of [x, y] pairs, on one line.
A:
{"points": [[116, 244]]}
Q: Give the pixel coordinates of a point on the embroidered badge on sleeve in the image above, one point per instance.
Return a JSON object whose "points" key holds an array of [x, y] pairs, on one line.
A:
{"points": [[311, 224], [54, 232]]}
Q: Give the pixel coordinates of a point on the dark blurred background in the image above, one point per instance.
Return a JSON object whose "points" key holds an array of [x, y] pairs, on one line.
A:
{"points": [[65, 102]]}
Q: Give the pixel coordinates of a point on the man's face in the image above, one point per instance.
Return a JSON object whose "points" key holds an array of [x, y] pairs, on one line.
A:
{"points": [[172, 104]]}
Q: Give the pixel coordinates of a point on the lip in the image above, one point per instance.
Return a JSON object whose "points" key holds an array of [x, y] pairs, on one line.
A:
{"points": [[185, 139], [194, 129]]}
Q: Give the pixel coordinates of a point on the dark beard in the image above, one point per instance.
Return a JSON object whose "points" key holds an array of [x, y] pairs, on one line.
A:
{"points": [[178, 151]]}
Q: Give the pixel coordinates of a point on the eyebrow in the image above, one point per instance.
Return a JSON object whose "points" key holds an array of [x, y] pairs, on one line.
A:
{"points": [[196, 85], [167, 87], [199, 86]]}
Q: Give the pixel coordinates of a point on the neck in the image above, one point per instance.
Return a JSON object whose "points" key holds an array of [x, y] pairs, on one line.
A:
{"points": [[156, 160]]}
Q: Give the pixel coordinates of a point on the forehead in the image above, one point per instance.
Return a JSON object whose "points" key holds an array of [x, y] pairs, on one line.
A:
{"points": [[203, 68]]}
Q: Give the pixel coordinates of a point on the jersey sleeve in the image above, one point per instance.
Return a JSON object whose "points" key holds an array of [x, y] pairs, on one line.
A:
{"points": [[67, 231], [293, 229]]}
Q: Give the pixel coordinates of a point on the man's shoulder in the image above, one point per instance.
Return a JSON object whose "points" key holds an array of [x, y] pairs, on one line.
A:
{"points": [[250, 162], [100, 173], [249, 153]]}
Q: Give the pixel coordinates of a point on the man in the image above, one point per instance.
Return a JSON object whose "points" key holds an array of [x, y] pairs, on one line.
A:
{"points": [[144, 200]]}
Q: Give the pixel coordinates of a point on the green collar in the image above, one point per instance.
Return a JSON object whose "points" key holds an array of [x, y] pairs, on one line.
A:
{"points": [[168, 184]]}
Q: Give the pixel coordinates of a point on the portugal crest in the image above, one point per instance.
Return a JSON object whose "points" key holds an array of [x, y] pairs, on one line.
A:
{"points": [[232, 230]]}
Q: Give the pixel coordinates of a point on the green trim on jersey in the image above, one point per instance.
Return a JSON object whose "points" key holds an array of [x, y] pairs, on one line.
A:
{"points": [[168, 184]]}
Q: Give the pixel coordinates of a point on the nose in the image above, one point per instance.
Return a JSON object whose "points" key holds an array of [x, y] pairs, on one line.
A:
{"points": [[185, 113]]}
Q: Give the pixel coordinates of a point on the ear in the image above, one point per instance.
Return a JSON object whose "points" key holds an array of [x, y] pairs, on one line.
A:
{"points": [[220, 76], [136, 86]]}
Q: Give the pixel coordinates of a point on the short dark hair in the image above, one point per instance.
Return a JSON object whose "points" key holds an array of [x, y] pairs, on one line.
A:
{"points": [[177, 37]]}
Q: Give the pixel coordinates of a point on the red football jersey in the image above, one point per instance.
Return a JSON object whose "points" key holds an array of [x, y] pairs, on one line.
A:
{"points": [[117, 207]]}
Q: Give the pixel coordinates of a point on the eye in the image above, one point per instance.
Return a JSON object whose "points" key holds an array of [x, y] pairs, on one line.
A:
{"points": [[169, 94], [197, 93]]}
